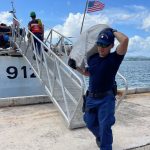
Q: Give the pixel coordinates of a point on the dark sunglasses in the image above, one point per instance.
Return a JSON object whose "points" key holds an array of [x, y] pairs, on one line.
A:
{"points": [[102, 45]]}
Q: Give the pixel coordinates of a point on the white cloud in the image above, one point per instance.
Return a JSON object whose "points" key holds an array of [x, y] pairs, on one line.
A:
{"points": [[136, 7], [72, 25], [138, 17], [5, 17], [139, 46], [146, 23], [118, 15]]}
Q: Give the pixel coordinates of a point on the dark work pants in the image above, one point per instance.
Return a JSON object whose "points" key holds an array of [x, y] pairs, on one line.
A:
{"points": [[37, 43], [100, 118]]}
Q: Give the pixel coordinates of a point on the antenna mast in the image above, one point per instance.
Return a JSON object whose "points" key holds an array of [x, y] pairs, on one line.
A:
{"points": [[13, 11]]}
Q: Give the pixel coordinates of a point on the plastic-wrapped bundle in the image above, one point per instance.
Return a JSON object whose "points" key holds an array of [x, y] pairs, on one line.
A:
{"points": [[85, 45]]}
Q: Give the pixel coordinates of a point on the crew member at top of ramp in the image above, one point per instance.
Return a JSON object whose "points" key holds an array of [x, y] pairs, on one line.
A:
{"points": [[100, 100], [36, 27]]}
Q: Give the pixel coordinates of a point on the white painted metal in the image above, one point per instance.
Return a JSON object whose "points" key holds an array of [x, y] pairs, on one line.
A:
{"points": [[120, 99], [64, 86], [17, 78], [61, 83]]}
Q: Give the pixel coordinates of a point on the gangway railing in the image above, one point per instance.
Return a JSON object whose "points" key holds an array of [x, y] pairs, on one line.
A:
{"points": [[121, 94], [62, 84], [59, 46], [124, 92]]}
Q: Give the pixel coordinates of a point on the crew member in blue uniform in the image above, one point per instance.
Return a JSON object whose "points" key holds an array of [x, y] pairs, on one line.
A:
{"points": [[99, 114]]}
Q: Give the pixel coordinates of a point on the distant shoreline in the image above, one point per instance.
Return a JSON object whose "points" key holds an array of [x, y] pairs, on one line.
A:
{"points": [[137, 59]]}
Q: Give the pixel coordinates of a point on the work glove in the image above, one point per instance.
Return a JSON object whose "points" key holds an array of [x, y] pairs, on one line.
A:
{"points": [[72, 63]]}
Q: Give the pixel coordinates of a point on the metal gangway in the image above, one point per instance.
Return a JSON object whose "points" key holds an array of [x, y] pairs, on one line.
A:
{"points": [[64, 86]]}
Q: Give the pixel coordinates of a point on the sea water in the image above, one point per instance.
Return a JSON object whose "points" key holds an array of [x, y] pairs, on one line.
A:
{"points": [[136, 72]]}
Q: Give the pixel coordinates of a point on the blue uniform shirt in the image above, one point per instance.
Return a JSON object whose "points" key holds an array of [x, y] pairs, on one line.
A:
{"points": [[103, 71]]}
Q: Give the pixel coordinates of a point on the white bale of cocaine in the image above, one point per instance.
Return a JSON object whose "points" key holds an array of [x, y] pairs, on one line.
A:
{"points": [[85, 46]]}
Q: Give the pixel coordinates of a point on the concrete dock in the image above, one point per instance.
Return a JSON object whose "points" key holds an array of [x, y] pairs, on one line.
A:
{"points": [[41, 127]]}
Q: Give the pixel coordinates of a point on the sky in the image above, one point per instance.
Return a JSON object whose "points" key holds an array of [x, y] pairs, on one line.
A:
{"points": [[132, 17]]}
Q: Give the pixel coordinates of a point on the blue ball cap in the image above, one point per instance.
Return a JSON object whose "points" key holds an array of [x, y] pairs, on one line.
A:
{"points": [[6, 38], [105, 37]]}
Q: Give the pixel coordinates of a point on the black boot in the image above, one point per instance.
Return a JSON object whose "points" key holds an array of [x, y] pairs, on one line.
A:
{"points": [[34, 58]]}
